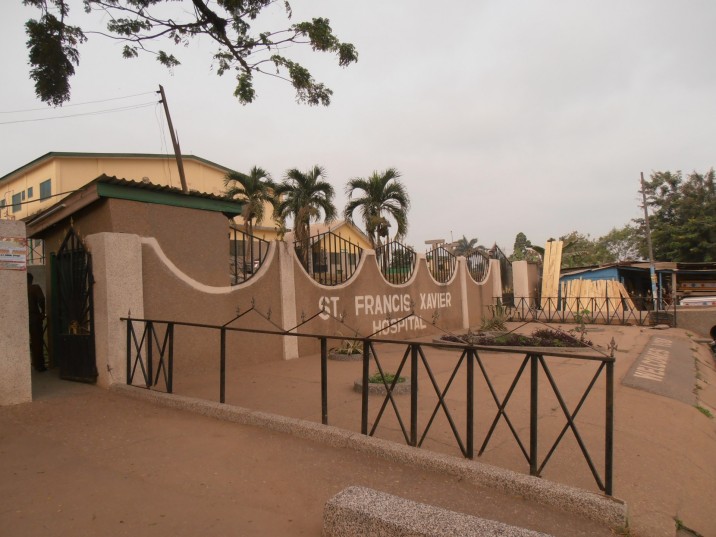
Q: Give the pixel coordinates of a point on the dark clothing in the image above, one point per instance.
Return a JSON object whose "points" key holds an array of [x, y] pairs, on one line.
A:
{"points": [[36, 304]]}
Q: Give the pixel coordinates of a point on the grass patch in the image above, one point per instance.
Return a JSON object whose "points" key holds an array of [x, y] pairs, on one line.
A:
{"points": [[377, 378], [705, 411]]}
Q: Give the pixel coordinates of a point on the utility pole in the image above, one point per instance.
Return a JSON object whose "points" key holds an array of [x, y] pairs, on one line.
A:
{"points": [[175, 142], [652, 268]]}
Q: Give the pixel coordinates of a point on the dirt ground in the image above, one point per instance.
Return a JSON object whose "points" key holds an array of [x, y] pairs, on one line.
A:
{"points": [[80, 460]]}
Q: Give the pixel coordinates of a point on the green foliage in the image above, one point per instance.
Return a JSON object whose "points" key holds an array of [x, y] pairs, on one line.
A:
{"points": [[519, 250], [523, 249], [53, 53], [52, 47], [499, 315], [380, 194], [254, 189], [303, 196], [580, 250], [386, 377], [682, 216], [621, 244], [349, 346], [705, 411], [465, 246]]}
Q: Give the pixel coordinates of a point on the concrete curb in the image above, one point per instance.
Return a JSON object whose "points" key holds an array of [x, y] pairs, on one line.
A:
{"points": [[360, 511], [609, 511]]}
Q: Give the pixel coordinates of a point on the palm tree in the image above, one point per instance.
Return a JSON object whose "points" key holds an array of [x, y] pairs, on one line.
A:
{"points": [[464, 246], [382, 194], [303, 196], [255, 190]]}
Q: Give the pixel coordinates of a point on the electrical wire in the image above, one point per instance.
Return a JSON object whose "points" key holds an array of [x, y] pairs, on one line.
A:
{"points": [[78, 104], [10, 205], [95, 113]]}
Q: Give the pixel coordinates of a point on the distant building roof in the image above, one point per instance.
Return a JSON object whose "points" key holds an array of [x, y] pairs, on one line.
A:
{"points": [[61, 154]]}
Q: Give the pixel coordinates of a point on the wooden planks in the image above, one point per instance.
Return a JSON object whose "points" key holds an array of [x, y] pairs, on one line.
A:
{"points": [[552, 264], [597, 296]]}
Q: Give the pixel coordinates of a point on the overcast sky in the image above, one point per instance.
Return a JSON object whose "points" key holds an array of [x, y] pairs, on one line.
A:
{"points": [[502, 116]]}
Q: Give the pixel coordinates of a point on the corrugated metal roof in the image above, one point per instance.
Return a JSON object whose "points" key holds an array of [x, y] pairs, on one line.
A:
{"points": [[152, 187]]}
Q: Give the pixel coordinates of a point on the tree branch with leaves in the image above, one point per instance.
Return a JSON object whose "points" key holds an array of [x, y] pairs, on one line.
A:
{"points": [[53, 43]]}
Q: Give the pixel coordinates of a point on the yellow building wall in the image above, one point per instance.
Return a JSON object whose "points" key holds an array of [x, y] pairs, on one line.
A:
{"points": [[350, 234], [68, 173]]}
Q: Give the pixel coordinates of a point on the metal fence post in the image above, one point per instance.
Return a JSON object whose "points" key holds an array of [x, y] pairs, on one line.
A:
{"points": [[149, 331], [470, 404], [364, 391], [609, 430], [534, 372], [324, 381], [414, 395], [222, 367], [130, 330], [170, 373]]}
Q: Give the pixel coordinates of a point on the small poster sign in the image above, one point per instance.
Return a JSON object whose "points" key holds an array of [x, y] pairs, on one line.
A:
{"points": [[13, 253]]}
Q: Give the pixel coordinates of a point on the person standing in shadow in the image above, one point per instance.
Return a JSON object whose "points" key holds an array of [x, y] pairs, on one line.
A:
{"points": [[36, 303]]}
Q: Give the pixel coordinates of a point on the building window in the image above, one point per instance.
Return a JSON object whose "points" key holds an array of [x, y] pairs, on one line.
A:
{"points": [[16, 202], [2, 203], [46, 189], [29, 192]]}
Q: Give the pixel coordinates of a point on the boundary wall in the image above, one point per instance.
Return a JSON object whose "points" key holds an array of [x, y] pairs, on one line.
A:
{"points": [[135, 277]]}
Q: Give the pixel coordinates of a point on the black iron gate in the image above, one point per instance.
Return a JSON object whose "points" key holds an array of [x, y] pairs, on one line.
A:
{"points": [[74, 320]]}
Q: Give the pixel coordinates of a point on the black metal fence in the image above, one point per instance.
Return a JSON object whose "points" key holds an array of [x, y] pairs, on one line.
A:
{"points": [[246, 255], [396, 262], [441, 264], [150, 353], [478, 265], [328, 258], [597, 310]]}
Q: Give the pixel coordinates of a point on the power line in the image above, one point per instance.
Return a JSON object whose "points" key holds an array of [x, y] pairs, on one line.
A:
{"points": [[9, 205], [98, 112], [78, 104]]}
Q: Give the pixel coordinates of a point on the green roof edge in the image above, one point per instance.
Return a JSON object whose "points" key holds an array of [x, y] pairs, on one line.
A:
{"points": [[175, 199]]}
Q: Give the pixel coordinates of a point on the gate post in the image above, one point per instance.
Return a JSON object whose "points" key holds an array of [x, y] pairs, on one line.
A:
{"points": [[15, 381]]}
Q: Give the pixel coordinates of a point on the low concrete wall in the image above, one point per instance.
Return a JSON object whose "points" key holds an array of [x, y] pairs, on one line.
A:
{"points": [[15, 383], [364, 512], [700, 320]]}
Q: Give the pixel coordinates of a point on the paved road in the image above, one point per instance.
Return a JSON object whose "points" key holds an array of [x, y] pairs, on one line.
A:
{"points": [[665, 367]]}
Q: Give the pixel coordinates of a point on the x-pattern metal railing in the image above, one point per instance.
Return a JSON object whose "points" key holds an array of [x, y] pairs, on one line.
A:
{"points": [[604, 310], [148, 342], [140, 354]]}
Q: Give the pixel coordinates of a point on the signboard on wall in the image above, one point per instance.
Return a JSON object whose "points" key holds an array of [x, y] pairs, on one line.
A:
{"points": [[13, 253]]}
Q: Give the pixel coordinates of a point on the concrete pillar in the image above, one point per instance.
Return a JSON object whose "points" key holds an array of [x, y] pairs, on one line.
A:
{"points": [[15, 379], [287, 288], [118, 289], [520, 280], [462, 275], [496, 274]]}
